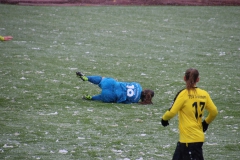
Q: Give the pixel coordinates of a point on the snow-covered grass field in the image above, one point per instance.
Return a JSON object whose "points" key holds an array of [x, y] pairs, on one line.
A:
{"points": [[42, 115]]}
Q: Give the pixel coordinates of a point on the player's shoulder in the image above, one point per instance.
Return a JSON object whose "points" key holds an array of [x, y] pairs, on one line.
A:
{"points": [[180, 93], [202, 91]]}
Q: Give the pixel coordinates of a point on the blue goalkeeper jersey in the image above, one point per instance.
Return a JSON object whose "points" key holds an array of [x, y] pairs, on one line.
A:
{"points": [[128, 92], [114, 91]]}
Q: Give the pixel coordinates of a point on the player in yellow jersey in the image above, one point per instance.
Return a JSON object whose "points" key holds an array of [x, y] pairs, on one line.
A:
{"points": [[190, 104], [6, 38]]}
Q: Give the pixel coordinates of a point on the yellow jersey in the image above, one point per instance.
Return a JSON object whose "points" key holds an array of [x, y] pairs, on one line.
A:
{"points": [[190, 106]]}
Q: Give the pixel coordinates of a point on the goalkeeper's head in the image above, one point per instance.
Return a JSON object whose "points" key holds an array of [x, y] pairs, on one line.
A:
{"points": [[146, 96]]}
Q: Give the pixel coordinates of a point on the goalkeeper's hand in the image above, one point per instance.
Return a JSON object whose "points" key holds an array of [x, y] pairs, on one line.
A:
{"points": [[204, 125], [164, 123]]}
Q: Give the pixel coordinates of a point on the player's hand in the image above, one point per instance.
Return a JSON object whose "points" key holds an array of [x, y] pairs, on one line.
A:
{"points": [[164, 123], [204, 125]]}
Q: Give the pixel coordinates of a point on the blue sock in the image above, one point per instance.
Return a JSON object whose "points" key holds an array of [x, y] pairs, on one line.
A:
{"points": [[94, 79]]}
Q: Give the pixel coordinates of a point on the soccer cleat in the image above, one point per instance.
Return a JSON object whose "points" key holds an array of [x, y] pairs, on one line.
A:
{"points": [[80, 75], [87, 97]]}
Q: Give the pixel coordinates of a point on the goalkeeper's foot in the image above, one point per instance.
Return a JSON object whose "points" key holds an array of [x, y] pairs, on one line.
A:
{"points": [[80, 75], [87, 97]]}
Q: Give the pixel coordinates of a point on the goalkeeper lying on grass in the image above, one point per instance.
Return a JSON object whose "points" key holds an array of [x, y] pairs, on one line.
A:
{"points": [[117, 92]]}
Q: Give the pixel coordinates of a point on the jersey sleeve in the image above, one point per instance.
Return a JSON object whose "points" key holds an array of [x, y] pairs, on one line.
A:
{"points": [[177, 105], [212, 110]]}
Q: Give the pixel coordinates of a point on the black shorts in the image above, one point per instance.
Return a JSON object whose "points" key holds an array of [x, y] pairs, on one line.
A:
{"points": [[188, 151]]}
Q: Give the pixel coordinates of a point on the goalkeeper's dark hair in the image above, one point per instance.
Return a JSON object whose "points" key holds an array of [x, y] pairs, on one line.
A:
{"points": [[191, 76], [146, 96]]}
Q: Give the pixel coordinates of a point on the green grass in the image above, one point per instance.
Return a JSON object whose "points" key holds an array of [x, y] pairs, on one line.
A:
{"points": [[42, 115]]}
